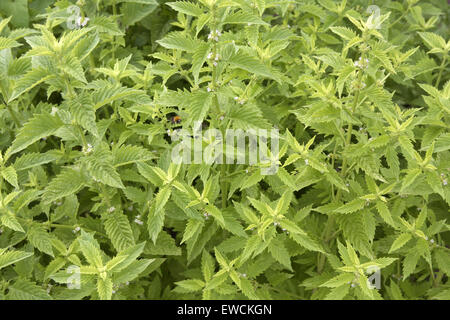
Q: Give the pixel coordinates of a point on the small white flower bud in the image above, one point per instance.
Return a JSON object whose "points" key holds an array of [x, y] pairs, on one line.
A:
{"points": [[81, 22]]}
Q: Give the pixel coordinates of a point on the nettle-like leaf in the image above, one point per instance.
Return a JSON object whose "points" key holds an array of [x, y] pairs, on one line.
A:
{"points": [[68, 182], [9, 257], [119, 230], [109, 111], [40, 126]]}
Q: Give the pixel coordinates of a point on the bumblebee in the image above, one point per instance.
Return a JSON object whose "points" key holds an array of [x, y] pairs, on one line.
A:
{"points": [[176, 120]]}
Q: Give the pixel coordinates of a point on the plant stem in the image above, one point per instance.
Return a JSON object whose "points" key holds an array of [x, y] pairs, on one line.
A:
{"points": [[400, 18], [223, 168], [114, 38], [330, 222], [13, 115], [66, 226], [438, 279], [83, 138], [350, 132], [441, 69], [224, 185]]}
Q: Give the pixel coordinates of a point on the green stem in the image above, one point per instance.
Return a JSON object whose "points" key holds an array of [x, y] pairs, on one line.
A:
{"points": [[330, 222], [63, 226], [114, 38], [223, 168], [1, 186], [400, 18], [224, 186], [66, 226], [432, 277], [333, 158], [350, 131], [83, 138], [441, 69], [438, 279], [13, 115]]}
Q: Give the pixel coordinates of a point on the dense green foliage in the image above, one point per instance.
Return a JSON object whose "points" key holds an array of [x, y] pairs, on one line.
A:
{"points": [[360, 95]]}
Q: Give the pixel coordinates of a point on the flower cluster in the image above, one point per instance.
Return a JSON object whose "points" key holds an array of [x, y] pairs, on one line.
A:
{"points": [[214, 35], [88, 149], [81, 22], [239, 100], [362, 64], [215, 60], [138, 220], [77, 229]]}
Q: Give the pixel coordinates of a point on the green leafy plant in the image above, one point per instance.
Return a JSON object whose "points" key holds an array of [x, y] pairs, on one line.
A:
{"points": [[93, 93]]}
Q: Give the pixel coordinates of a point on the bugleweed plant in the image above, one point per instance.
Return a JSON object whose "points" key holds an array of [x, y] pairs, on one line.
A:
{"points": [[92, 205]]}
